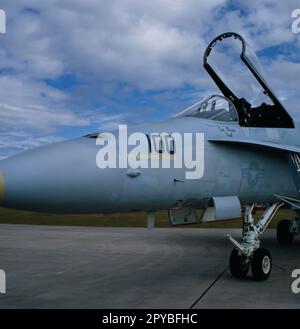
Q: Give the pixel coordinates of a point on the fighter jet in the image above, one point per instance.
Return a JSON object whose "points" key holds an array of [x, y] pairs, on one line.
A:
{"points": [[211, 162]]}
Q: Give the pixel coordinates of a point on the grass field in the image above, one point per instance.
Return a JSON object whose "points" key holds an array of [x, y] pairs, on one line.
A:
{"points": [[8, 216]]}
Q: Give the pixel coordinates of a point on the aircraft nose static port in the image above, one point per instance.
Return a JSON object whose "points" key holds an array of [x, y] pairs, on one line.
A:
{"points": [[2, 188]]}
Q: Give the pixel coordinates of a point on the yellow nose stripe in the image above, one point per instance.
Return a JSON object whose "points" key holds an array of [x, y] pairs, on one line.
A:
{"points": [[2, 187]]}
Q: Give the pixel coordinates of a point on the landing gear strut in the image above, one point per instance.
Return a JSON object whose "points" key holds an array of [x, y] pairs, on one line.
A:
{"points": [[248, 252]]}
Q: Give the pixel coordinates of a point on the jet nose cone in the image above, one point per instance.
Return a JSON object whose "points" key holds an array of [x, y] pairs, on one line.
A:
{"points": [[2, 188]]}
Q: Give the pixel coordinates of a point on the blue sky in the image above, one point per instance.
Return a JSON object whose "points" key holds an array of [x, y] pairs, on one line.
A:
{"points": [[72, 67]]}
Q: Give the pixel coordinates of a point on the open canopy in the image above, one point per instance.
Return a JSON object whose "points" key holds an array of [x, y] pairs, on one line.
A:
{"points": [[265, 111]]}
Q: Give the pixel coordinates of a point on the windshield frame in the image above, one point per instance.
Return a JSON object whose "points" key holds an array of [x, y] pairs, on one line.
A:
{"points": [[194, 110]]}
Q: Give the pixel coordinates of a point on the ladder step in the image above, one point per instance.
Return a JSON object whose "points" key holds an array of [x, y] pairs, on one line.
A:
{"points": [[296, 160]]}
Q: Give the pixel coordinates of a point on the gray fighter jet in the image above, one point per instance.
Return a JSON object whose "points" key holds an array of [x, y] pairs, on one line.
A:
{"points": [[245, 153]]}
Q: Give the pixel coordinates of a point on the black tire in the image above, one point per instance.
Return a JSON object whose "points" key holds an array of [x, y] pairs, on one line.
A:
{"points": [[261, 264], [284, 236], [237, 266]]}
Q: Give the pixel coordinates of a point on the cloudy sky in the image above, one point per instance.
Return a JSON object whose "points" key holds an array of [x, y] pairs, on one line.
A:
{"points": [[71, 67]]}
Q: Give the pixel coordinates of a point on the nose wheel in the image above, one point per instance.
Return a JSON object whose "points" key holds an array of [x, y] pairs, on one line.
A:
{"points": [[248, 253], [238, 265], [260, 264]]}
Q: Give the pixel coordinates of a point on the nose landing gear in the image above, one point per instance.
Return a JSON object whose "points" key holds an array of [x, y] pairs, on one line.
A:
{"points": [[248, 253]]}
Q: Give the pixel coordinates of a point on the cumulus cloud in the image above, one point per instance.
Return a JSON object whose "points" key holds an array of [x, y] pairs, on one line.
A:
{"points": [[14, 141], [26, 103], [146, 44]]}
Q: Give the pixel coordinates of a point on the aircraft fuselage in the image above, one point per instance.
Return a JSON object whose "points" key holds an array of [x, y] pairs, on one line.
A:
{"points": [[64, 177]]}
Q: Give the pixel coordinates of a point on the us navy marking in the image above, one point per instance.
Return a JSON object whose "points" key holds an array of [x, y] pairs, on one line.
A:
{"points": [[253, 173]]}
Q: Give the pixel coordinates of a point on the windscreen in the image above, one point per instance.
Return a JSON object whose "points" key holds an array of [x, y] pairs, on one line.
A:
{"points": [[215, 107]]}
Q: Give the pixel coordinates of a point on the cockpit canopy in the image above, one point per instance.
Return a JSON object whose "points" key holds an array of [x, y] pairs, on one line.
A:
{"points": [[237, 105], [215, 107]]}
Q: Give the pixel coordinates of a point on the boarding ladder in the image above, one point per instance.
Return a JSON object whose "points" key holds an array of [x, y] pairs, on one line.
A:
{"points": [[296, 160], [294, 163]]}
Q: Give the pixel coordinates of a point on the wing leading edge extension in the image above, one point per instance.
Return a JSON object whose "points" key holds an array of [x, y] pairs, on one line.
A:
{"points": [[260, 144]]}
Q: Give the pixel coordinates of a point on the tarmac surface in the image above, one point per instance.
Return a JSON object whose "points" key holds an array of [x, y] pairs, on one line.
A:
{"points": [[84, 267]]}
